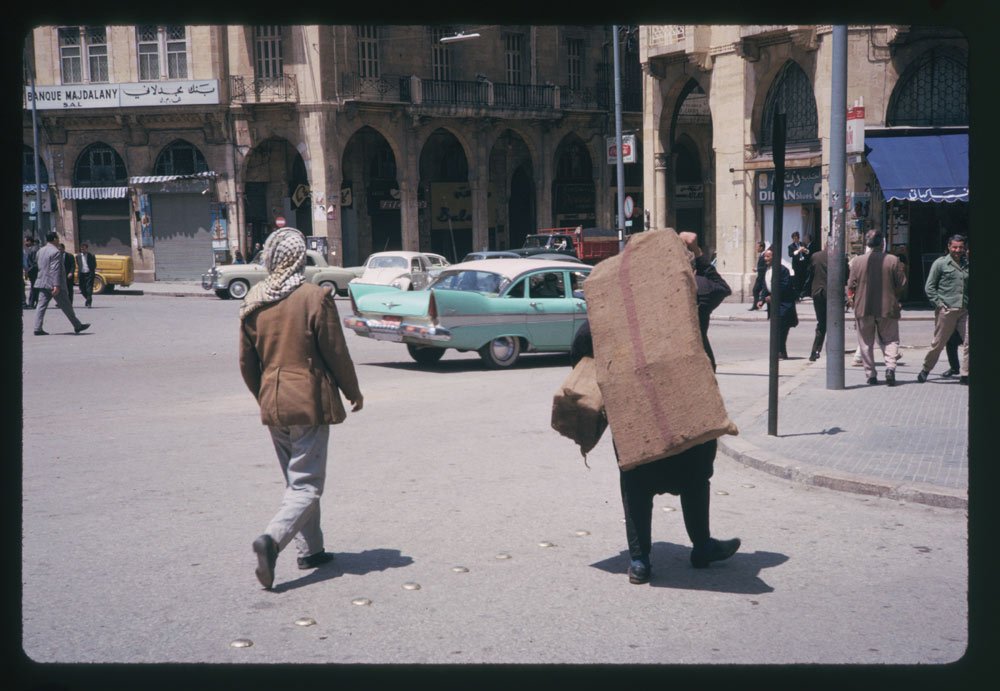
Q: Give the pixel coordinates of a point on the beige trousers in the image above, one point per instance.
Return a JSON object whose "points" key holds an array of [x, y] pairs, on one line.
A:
{"points": [[946, 321], [886, 329]]}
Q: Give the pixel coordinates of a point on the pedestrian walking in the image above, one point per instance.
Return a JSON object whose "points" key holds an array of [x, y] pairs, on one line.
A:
{"points": [[947, 288], [875, 285], [70, 263], [817, 281], [86, 265], [238, 258], [30, 261], [786, 312], [712, 288], [51, 285], [295, 361], [799, 254], [758, 283], [686, 474]]}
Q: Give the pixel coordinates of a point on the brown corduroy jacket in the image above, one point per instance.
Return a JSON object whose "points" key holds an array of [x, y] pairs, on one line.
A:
{"points": [[294, 360]]}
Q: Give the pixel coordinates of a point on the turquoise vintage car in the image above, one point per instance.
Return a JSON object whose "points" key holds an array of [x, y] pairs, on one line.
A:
{"points": [[499, 308]]}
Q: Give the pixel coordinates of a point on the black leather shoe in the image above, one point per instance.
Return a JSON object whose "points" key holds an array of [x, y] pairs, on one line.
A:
{"points": [[752, 309], [267, 555], [639, 571], [40, 332], [713, 550], [873, 380], [314, 560], [949, 372], [813, 357], [922, 376], [82, 327], [782, 356], [890, 377], [963, 380]]}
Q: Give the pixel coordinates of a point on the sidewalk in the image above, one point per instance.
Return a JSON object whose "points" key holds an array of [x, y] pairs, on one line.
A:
{"points": [[909, 442]]}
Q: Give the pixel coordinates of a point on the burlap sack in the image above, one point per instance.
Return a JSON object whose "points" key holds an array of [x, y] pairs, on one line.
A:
{"points": [[660, 394], [578, 409]]}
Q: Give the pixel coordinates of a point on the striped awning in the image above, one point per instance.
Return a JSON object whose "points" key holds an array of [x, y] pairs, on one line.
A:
{"points": [[93, 192], [152, 179]]}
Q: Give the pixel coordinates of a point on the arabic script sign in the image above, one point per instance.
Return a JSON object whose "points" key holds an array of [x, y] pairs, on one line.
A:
{"points": [[802, 186], [189, 92]]}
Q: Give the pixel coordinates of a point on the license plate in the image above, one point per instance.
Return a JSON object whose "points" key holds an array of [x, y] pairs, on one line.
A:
{"points": [[387, 336]]}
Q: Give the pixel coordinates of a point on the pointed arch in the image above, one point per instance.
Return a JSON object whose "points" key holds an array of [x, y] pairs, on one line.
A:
{"points": [[933, 92], [791, 93], [180, 157]]}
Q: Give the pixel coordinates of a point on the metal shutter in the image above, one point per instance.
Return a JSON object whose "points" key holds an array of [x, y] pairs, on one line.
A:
{"points": [[104, 224], [182, 237]]}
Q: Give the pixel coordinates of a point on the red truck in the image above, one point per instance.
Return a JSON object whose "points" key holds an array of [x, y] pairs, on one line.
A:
{"points": [[589, 245]]}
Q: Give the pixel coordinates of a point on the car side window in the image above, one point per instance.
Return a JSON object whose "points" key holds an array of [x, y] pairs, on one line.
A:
{"points": [[547, 285], [310, 261], [415, 265], [576, 279], [517, 291]]}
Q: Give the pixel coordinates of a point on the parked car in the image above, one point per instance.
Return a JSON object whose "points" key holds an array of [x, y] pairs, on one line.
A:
{"points": [[111, 270], [490, 254], [438, 263], [556, 256], [397, 269], [235, 280], [499, 308]]}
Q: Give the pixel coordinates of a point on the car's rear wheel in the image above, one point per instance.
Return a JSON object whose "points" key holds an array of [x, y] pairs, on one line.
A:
{"points": [[501, 352], [99, 284], [425, 355], [331, 285], [239, 288]]}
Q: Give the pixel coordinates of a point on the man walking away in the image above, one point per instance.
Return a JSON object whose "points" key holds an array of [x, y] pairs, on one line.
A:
{"points": [[31, 270], [294, 360], [86, 265], [758, 284], [70, 263], [817, 271], [51, 284], [947, 288], [875, 285]]}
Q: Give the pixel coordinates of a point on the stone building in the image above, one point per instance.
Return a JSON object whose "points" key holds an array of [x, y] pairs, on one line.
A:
{"points": [[181, 144], [710, 95]]}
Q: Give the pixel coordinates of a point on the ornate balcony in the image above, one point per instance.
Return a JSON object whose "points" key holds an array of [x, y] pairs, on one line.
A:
{"points": [[384, 89], [283, 89]]}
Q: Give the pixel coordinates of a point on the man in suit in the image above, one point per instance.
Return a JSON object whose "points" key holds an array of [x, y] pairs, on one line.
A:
{"points": [[86, 265], [30, 260], [758, 284], [874, 286], [294, 360], [817, 271], [70, 263], [51, 285], [799, 254]]}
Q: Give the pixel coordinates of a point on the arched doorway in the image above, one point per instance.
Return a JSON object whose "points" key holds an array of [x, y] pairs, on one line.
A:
{"points": [[573, 198], [370, 220], [274, 170], [689, 188], [444, 183], [103, 217], [511, 198], [691, 144]]}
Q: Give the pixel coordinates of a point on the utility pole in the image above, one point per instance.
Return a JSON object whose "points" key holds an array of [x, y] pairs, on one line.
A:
{"points": [[619, 159], [778, 137], [836, 252], [34, 132]]}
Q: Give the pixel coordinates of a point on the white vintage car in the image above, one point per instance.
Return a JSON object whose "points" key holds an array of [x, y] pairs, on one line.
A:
{"points": [[400, 270], [235, 280]]}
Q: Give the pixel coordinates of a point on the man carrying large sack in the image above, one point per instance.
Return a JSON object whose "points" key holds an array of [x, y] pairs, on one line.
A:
{"points": [[660, 394]]}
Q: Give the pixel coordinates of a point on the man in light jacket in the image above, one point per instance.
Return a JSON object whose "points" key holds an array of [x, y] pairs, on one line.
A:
{"points": [[294, 360], [948, 290], [51, 285], [874, 286]]}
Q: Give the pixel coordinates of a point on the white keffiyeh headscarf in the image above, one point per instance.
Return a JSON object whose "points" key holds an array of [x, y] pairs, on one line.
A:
{"points": [[284, 257]]}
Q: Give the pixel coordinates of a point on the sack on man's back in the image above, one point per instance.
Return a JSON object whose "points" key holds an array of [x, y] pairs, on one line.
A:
{"points": [[578, 408]]}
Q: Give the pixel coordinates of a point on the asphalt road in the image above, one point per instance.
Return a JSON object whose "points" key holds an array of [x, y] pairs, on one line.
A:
{"points": [[145, 482]]}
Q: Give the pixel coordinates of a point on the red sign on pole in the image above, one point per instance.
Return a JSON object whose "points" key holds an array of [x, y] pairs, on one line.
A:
{"points": [[279, 222]]}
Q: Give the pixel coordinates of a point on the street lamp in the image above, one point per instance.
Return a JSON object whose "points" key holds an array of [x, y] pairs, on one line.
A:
{"points": [[460, 36]]}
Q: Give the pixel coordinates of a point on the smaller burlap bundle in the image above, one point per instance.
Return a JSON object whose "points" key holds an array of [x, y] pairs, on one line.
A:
{"points": [[578, 408]]}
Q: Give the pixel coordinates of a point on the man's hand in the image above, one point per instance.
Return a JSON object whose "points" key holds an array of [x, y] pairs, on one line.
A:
{"points": [[55, 290], [691, 240], [358, 404]]}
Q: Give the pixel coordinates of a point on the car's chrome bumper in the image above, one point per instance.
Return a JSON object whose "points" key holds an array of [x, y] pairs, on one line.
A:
{"points": [[208, 281], [401, 332]]}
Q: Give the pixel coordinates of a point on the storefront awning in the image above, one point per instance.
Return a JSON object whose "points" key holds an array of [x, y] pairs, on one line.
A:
{"points": [[93, 192], [921, 168], [152, 179]]}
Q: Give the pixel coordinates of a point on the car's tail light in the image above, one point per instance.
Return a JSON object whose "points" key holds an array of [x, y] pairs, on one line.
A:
{"points": [[432, 308]]}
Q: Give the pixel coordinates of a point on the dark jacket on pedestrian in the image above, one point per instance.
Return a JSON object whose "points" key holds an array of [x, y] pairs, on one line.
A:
{"points": [[712, 290], [70, 263], [91, 262], [295, 361], [786, 309]]}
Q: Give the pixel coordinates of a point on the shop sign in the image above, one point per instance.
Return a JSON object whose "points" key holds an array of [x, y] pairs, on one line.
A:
{"points": [[451, 206], [29, 203], [172, 93], [802, 186], [628, 149], [689, 192], [145, 221], [856, 128], [575, 198]]}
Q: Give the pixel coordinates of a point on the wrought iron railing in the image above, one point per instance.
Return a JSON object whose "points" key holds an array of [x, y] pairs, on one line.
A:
{"points": [[524, 96], [459, 93], [282, 89], [385, 88]]}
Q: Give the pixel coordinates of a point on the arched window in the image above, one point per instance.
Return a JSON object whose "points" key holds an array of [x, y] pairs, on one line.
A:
{"points": [[28, 168], [100, 166], [180, 158], [932, 92], [791, 94]]}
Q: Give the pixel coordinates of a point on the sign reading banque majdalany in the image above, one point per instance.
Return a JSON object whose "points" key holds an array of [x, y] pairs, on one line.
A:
{"points": [[66, 96]]}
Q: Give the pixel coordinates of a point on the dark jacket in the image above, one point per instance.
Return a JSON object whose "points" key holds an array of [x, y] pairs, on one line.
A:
{"points": [[294, 360], [786, 309], [70, 263], [91, 262]]}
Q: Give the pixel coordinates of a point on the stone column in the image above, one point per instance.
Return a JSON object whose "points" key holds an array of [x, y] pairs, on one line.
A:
{"points": [[408, 183], [479, 185], [660, 175]]}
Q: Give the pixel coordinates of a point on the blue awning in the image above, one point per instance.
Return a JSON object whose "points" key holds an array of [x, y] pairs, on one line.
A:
{"points": [[921, 168]]}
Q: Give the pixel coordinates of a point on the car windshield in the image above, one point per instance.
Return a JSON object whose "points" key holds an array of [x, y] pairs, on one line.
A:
{"points": [[468, 280], [387, 263], [536, 241]]}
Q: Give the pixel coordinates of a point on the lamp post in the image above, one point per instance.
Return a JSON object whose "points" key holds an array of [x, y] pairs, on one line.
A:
{"points": [[619, 159], [34, 133]]}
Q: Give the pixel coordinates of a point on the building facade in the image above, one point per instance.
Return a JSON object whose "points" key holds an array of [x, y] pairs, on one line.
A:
{"points": [[711, 93], [181, 144]]}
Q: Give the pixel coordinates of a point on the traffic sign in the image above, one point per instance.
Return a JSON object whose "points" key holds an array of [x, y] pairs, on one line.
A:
{"points": [[629, 205], [279, 222]]}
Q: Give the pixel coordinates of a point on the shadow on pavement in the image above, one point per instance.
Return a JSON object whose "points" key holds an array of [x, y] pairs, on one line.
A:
{"points": [[831, 431], [672, 569], [344, 563]]}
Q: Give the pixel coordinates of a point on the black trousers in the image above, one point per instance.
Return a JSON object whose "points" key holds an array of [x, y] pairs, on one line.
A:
{"points": [[819, 306], [687, 474], [951, 349], [87, 286], [32, 291]]}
